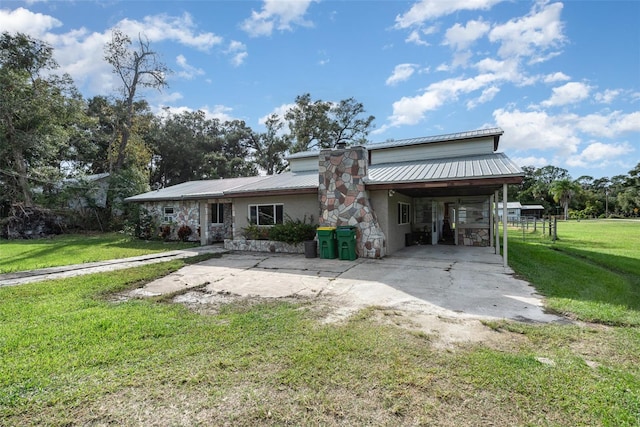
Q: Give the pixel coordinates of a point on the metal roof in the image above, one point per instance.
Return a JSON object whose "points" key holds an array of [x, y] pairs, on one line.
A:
{"points": [[196, 189], [280, 182], [493, 165], [480, 133]]}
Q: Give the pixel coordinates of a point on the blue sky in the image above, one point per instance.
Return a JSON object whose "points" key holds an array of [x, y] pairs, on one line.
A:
{"points": [[561, 78]]}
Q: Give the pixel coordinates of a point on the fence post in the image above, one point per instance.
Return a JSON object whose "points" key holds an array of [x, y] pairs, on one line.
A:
{"points": [[555, 229]]}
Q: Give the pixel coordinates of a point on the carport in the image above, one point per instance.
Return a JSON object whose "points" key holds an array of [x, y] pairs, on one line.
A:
{"points": [[453, 201]]}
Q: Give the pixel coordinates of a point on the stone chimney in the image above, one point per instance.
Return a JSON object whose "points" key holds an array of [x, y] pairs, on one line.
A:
{"points": [[345, 201]]}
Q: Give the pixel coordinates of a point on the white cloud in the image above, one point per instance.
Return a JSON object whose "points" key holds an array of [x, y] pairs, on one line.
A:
{"points": [[411, 110], [610, 125], [180, 29], [426, 10], [569, 93], [415, 36], [600, 154], [461, 37], [280, 111], [607, 96], [80, 52], [401, 73], [536, 130], [532, 35], [238, 52], [563, 134], [24, 21], [280, 15], [556, 77], [486, 96], [187, 71]]}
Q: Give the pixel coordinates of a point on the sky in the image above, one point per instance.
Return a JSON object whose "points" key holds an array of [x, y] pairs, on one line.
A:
{"points": [[562, 79]]}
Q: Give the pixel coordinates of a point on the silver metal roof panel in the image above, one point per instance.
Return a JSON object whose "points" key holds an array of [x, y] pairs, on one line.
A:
{"points": [[283, 181], [195, 189], [483, 166]]}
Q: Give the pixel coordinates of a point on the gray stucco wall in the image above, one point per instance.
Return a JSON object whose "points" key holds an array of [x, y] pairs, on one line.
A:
{"points": [[396, 234]]}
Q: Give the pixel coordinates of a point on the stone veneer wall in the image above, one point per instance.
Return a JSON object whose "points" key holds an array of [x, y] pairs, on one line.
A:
{"points": [[345, 201], [263, 246], [474, 237], [186, 213]]}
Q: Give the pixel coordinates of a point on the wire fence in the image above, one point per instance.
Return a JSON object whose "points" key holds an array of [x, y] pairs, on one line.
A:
{"points": [[548, 226]]}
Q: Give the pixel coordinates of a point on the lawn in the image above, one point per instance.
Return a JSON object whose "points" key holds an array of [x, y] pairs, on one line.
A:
{"points": [[20, 255], [70, 354]]}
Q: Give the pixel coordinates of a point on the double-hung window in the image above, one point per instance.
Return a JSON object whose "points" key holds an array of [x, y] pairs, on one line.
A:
{"points": [[266, 214], [404, 213], [217, 213]]}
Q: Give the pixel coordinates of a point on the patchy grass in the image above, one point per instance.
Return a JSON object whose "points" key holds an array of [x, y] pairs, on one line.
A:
{"points": [[591, 273], [20, 255], [70, 356]]}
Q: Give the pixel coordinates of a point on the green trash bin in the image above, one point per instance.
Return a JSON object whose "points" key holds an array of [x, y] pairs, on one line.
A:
{"points": [[346, 242], [327, 242]]}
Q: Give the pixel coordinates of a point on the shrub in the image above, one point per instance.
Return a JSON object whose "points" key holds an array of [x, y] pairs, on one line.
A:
{"points": [[293, 231], [255, 232], [184, 232], [165, 232]]}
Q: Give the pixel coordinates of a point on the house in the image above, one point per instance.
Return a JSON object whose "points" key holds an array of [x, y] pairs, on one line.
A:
{"points": [[429, 190], [517, 211]]}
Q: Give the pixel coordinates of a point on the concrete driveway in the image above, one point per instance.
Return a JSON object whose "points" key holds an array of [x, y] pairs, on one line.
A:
{"points": [[448, 281]]}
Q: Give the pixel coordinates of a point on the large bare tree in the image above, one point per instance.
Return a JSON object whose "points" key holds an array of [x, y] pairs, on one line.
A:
{"points": [[137, 67]]}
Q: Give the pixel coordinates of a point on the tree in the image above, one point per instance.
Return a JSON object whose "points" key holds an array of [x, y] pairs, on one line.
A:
{"points": [[188, 146], [269, 148], [136, 69], [563, 190], [38, 113], [321, 124]]}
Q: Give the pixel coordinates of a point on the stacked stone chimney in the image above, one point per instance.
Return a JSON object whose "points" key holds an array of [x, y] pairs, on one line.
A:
{"points": [[345, 201]]}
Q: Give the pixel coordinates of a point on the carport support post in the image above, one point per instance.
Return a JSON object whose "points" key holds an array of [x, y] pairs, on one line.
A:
{"points": [[496, 223], [504, 225], [492, 226], [204, 226]]}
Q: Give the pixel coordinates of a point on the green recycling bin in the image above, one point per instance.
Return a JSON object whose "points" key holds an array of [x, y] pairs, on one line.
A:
{"points": [[327, 242], [346, 242]]}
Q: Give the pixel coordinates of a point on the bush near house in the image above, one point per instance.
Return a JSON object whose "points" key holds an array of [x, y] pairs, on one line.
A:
{"points": [[292, 231]]}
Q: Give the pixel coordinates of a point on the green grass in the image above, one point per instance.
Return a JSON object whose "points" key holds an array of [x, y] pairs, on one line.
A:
{"points": [[20, 255], [70, 355], [592, 272]]}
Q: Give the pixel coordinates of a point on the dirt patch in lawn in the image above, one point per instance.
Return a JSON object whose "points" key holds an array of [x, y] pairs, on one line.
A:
{"points": [[443, 332]]}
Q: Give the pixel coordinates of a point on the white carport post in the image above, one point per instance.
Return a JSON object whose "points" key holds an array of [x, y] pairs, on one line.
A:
{"points": [[496, 223], [504, 225]]}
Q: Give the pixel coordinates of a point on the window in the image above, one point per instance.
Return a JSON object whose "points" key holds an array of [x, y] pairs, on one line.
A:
{"points": [[217, 213], [168, 214], [266, 214], [404, 216]]}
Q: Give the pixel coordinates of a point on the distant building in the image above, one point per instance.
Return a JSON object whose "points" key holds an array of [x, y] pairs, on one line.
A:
{"points": [[516, 211]]}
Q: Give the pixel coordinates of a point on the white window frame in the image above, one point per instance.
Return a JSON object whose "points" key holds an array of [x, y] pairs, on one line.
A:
{"points": [[168, 213], [404, 213], [218, 208], [254, 217]]}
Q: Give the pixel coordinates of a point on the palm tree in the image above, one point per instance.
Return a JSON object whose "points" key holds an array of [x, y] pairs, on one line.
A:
{"points": [[562, 191]]}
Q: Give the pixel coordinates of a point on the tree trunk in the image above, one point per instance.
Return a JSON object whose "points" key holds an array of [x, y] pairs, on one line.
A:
{"points": [[21, 169]]}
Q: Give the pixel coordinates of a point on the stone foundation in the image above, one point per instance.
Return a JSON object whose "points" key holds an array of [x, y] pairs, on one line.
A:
{"points": [[345, 201], [263, 246]]}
